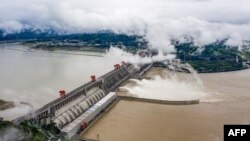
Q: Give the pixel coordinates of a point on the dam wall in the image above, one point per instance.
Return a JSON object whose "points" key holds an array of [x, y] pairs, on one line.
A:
{"points": [[77, 109], [67, 108]]}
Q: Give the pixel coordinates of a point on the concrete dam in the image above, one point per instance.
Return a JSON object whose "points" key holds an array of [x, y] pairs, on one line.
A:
{"points": [[68, 111], [75, 111]]}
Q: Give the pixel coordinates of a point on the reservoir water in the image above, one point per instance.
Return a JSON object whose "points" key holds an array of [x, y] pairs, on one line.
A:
{"points": [[36, 76]]}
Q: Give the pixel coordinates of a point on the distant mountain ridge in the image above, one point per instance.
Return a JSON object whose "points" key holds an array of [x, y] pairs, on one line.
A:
{"points": [[104, 38]]}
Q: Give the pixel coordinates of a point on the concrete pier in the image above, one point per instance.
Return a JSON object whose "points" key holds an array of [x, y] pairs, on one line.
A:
{"points": [[167, 102]]}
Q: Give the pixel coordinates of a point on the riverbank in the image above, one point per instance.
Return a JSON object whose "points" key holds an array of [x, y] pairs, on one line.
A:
{"points": [[218, 66]]}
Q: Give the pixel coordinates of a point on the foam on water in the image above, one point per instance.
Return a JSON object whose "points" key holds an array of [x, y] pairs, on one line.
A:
{"points": [[166, 89], [171, 86]]}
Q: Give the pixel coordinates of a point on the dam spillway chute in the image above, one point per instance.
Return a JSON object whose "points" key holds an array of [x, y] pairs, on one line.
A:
{"points": [[123, 89], [134, 81]]}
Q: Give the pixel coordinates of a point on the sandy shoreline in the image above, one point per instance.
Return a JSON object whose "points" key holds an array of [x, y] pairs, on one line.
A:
{"points": [[138, 121]]}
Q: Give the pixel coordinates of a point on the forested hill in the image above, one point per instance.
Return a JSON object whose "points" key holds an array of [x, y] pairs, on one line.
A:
{"points": [[214, 57], [100, 38]]}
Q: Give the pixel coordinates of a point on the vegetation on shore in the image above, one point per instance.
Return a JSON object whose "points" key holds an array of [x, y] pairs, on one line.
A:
{"points": [[215, 57], [26, 131], [20, 132]]}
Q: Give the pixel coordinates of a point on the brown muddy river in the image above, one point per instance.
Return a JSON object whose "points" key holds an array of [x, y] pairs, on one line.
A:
{"points": [[228, 102]]}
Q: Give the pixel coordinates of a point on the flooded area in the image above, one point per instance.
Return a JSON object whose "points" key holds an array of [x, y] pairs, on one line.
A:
{"points": [[227, 102]]}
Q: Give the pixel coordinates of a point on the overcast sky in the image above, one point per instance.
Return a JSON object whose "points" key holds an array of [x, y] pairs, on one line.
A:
{"points": [[159, 20]]}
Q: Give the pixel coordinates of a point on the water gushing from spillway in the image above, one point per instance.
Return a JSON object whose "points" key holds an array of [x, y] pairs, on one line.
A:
{"points": [[171, 86], [164, 85]]}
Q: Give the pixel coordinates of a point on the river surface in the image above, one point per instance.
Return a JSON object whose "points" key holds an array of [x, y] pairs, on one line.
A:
{"points": [[36, 76], [226, 101]]}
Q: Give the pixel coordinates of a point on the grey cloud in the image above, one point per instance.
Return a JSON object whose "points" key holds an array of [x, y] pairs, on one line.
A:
{"points": [[159, 20]]}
